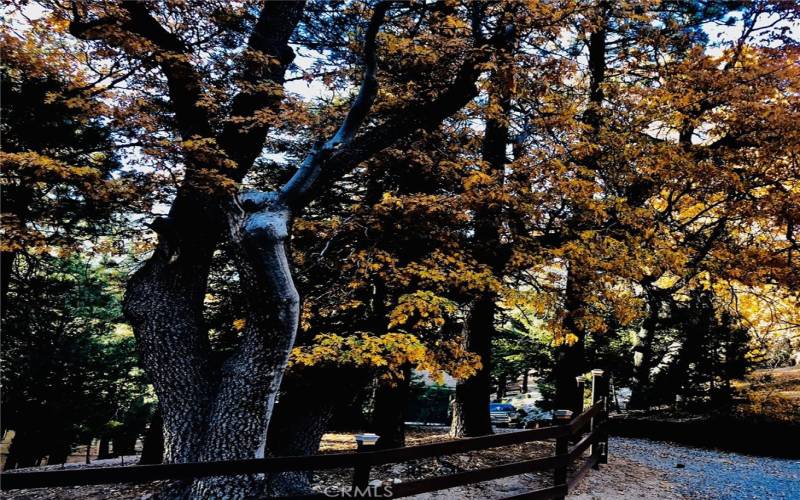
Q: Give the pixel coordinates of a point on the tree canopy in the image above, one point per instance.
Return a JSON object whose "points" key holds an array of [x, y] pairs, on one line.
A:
{"points": [[368, 188]]}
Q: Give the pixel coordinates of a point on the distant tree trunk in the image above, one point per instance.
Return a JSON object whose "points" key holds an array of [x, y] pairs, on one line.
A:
{"points": [[6, 266], [153, 446], [471, 405], [389, 414], [16, 205], [570, 357], [297, 430], [20, 452], [104, 449], [525, 381], [124, 444], [643, 355], [570, 364], [502, 381]]}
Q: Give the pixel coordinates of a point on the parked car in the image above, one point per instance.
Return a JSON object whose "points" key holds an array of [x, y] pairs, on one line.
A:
{"points": [[526, 401], [505, 415], [536, 417]]}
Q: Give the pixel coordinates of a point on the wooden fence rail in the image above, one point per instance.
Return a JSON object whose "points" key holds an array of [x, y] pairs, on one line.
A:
{"points": [[564, 430]]}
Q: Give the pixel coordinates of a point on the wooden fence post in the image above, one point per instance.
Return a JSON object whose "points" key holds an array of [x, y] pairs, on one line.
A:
{"points": [[364, 442], [561, 417], [579, 396], [600, 394]]}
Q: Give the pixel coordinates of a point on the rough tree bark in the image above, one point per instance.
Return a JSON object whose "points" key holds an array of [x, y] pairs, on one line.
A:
{"points": [[224, 414], [308, 400]]}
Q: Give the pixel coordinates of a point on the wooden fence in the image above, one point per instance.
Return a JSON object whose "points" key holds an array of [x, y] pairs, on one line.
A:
{"points": [[584, 430]]}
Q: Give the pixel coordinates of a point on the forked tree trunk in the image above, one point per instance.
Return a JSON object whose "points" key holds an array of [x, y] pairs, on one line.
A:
{"points": [[210, 416], [243, 403], [224, 415]]}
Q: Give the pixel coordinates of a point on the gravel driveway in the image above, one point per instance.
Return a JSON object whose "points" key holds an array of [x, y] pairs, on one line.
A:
{"points": [[709, 474]]}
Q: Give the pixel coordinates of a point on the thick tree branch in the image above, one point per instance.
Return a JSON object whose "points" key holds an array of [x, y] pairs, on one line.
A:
{"points": [[332, 164], [170, 53], [302, 181], [263, 77]]}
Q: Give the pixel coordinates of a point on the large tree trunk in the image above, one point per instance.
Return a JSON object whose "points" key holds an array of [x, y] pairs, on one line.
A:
{"points": [[250, 378], [471, 405], [389, 414], [164, 305], [308, 400]]}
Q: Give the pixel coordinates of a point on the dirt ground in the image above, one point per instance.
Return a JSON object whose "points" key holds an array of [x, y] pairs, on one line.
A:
{"points": [[621, 479], [449, 464]]}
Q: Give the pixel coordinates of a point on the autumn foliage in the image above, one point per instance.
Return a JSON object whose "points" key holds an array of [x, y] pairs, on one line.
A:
{"points": [[389, 187]]}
